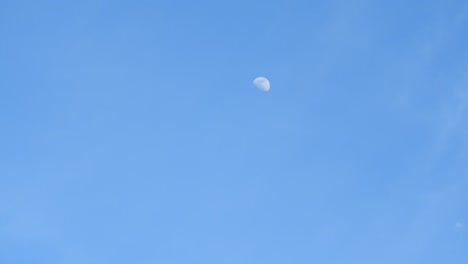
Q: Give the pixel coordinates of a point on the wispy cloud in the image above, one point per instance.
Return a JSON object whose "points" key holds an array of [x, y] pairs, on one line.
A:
{"points": [[459, 226]]}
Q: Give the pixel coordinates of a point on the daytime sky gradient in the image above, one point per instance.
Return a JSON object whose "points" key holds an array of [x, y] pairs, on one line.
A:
{"points": [[131, 132]]}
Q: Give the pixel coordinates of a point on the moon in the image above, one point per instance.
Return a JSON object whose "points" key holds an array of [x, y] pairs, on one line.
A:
{"points": [[262, 84]]}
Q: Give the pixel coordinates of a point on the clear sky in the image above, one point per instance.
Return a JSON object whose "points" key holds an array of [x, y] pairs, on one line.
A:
{"points": [[131, 132]]}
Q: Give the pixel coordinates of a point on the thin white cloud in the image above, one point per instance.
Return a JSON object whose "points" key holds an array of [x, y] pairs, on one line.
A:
{"points": [[459, 226]]}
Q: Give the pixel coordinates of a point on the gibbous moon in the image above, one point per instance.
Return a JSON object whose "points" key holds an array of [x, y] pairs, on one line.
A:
{"points": [[262, 83]]}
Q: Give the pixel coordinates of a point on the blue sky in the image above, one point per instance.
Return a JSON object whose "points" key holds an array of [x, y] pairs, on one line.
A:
{"points": [[131, 132]]}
